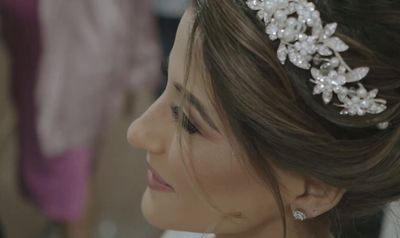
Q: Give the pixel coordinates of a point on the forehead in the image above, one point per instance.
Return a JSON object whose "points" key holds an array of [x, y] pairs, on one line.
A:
{"points": [[196, 83]]}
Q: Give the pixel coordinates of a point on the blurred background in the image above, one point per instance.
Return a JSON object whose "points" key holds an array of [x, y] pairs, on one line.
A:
{"points": [[73, 76], [103, 57]]}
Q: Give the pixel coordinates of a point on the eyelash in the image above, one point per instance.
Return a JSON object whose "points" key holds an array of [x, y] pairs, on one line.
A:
{"points": [[186, 123]]}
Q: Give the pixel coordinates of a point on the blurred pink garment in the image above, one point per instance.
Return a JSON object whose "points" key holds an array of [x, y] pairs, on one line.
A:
{"points": [[93, 50], [79, 88]]}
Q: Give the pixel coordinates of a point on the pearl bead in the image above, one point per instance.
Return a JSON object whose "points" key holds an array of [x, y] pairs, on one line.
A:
{"points": [[335, 62], [362, 92]]}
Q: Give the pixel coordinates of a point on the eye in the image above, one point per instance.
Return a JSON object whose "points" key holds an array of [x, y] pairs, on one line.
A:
{"points": [[186, 123]]}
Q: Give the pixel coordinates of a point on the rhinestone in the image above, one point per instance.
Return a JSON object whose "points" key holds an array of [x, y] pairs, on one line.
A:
{"points": [[355, 99], [335, 62], [343, 90], [342, 97], [373, 108], [291, 21], [337, 44], [362, 92], [352, 111], [329, 71], [365, 104], [282, 53], [310, 21], [327, 96], [330, 29], [380, 109], [373, 93], [383, 125], [302, 37], [299, 215], [361, 112], [280, 15], [269, 5], [315, 15], [324, 50], [341, 70]]}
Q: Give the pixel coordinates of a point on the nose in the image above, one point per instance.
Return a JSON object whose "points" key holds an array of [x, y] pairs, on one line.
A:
{"points": [[149, 132]]}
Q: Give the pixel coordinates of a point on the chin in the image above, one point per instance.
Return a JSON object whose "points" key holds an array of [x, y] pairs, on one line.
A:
{"points": [[157, 210], [162, 211]]}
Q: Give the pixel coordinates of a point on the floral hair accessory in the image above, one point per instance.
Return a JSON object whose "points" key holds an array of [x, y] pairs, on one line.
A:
{"points": [[310, 45]]}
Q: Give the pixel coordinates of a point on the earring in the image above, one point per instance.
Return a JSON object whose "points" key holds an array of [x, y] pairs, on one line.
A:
{"points": [[299, 215]]}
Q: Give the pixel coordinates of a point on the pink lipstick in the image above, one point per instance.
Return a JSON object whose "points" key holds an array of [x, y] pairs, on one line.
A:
{"points": [[156, 182]]}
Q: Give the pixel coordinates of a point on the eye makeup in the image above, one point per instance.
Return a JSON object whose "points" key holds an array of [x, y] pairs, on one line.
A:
{"points": [[192, 99], [186, 123]]}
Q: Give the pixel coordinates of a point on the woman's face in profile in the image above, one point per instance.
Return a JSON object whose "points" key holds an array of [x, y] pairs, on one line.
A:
{"points": [[204, 180]]}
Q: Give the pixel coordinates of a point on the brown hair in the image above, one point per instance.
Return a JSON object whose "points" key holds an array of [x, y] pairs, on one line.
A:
{"points": [[271, 111]]}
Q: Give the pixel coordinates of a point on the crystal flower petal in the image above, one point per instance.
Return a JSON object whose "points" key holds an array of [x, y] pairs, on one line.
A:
{"points": [[313, 46]]}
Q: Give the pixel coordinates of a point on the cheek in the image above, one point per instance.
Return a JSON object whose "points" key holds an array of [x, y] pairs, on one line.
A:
{"points": [[212, 169], [218, 172], [221, 186], [229, 185]]}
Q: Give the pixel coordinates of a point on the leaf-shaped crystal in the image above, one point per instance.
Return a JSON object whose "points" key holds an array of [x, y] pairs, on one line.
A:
{"points": [[357, 74], [319, 88], [307, 42], [272, 30], [383, 125], [282, 53], [342, 97], [324, 50], [253, 4], [292, 8], [262, 15], [337, 44], [316, 74], [376, 108], [381, 108], [327, 96], [341, 79], [365, 104], [362, 92], [299, 60], [329, 29], [373, 93], [317, 31], [270, 5]]}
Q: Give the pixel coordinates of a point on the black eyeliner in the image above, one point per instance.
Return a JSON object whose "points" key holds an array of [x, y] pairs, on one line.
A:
{"points": [[186, 123]]}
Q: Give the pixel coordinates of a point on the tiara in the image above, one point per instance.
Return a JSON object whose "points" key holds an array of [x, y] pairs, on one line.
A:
{"points": [[310, 45]]}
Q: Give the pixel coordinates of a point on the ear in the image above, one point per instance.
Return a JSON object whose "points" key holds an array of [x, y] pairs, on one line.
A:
{"points": [[317, 199]]}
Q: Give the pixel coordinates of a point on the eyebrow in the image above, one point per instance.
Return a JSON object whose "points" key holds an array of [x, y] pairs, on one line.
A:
{"points": [[196, 103], [189, 96]]}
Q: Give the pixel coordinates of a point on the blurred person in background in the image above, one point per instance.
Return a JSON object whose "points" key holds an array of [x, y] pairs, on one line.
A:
{"points": [[72, 62]]}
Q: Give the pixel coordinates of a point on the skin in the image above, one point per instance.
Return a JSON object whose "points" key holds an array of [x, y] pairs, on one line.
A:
{"points": [[213, 190]]}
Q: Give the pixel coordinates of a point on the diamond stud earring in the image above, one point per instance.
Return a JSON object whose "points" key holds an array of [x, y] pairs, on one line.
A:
{"points": [[299, 215]]}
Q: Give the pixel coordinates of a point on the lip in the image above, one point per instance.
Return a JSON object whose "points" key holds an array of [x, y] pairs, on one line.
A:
{"points": [[156, 182]]}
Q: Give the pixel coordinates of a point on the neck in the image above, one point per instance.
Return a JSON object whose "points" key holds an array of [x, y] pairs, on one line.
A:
{"points": [[275, 229]]}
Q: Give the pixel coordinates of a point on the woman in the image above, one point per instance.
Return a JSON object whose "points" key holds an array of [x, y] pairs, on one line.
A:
{"points": [[241, 144]]}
